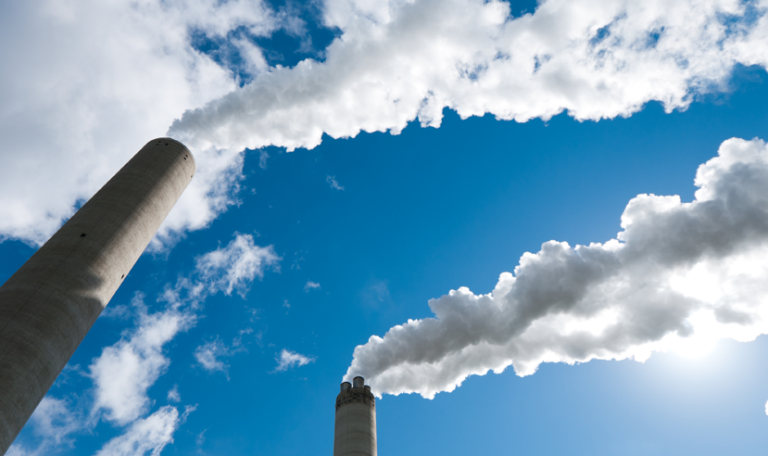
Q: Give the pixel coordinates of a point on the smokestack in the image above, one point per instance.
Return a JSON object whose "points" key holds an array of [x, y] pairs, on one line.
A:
{"points": [[355, 431], [50, 303]]}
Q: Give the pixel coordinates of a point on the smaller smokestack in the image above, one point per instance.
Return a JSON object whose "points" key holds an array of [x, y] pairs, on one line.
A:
{"points": [[355, 428]]}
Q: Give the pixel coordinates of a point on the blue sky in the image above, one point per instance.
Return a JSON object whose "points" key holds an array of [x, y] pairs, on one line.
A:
{"points": [[349, 178]]}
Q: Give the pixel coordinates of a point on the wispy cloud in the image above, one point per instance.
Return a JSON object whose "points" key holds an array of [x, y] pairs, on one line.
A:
{"points": [[234, 267], [148, 435], [200, 439], [125, 371], [263, 157], [288, 359], [375, 293], [331, 180], [55, 422], [173, 394], [310, 285], [211, 355]]}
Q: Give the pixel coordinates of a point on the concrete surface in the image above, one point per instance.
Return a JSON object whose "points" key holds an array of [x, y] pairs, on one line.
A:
{"points": [[355, 427], [50, 303]]}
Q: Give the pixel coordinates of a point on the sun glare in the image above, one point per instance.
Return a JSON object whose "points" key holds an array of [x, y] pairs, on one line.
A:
{"points": [[694, 347], [706, 332]]}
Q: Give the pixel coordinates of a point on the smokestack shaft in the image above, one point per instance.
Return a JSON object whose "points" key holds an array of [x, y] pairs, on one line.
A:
{"points": [[50, 303], [355, 427]]}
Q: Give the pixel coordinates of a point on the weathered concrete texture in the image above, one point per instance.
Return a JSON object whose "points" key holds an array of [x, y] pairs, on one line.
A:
{"points": [[50, 303], [355, 428]]}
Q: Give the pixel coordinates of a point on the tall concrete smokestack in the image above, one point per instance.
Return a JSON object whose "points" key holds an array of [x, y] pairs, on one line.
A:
{"points": [[355, 430], [50, 303]]}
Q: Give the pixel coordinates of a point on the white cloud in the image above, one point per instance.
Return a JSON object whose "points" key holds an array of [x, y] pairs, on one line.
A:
{"points": [[235, 266], [88, 83], [200, 439], [116, 311], [331, 180], [310, 285], [18, 449], [289, 359], [146, 436], [679, 276], [396, 61], [263, 156], [375, 293], [53, 422], [54, 419], [125, 371], [173, 394], [209, 354]]}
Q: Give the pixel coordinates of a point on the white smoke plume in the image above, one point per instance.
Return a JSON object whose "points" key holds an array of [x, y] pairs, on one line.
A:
{"points": [[89, 81], [399, 60], [678, 276]]}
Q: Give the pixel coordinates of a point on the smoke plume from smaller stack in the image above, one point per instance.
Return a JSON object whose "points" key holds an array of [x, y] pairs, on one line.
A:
{"points": [[678, 276]]}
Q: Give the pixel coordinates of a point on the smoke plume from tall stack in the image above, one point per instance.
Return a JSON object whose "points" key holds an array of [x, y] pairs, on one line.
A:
{"points": [[679, 276]]}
